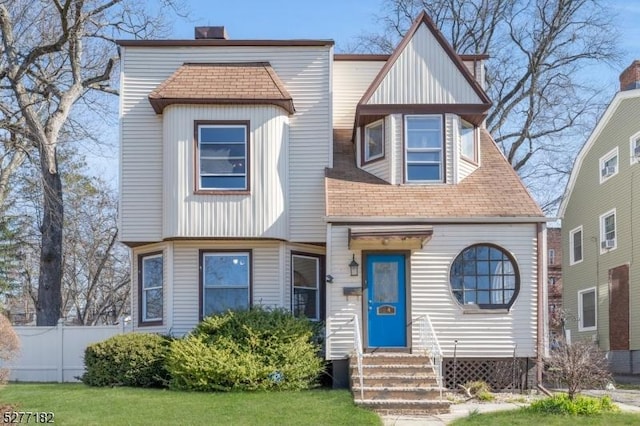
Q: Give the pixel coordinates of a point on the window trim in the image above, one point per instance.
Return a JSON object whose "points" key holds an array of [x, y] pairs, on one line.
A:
{"points": [[142, 322], [321, 282], [443, 162], [603, 217], [491, 307], [473, 159], [633, 140], [607, 157], [365, 158], [581, 326], [201, 255], [196, 157], [572, 260]]}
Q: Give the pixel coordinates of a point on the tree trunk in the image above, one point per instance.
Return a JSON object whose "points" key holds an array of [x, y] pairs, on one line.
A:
{"points": [[50, 278]]}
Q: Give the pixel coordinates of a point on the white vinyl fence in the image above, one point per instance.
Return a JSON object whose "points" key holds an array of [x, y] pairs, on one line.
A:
{"points": [[56, 354]]}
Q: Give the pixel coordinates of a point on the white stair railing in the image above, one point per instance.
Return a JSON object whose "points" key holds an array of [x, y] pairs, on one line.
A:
{"points": [[429, 342], [357, 347]]}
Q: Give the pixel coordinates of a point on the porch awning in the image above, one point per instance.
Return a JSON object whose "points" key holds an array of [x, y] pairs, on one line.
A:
{"points": [[389, 237]]}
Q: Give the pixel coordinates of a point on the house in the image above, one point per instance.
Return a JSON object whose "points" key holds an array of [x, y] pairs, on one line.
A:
{"points": [[358, 190], [554, 283], [601, 278]]}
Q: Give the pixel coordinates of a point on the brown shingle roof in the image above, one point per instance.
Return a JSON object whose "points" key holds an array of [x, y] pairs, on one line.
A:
{"points": [[493, 190], [222, 83]]}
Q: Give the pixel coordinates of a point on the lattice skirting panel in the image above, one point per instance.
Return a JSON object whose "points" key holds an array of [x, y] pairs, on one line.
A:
{"points": [[500, 374]]}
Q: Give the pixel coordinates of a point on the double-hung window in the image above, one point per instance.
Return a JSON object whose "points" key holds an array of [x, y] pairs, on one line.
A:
{"points": [[587, 309], [222, 156], [608, 239], [225, 281], [575, 245], [424, 148], [609, 165], [373, 141], [150, 281], [306, 283]]}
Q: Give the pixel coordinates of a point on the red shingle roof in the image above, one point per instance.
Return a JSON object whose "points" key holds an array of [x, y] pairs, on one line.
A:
{"points": [[222, 83], [493, 190]]}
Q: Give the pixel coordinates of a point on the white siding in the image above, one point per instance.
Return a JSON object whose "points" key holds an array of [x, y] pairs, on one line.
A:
{"points": [[478, 334], [305, 73], [449, 133], [261, 213], [350, 80], [424, 74], [398, 148]]}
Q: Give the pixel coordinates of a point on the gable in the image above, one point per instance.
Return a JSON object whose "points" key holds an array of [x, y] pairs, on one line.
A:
{"points": [[424, 73], [424, 69], [610, 129]]}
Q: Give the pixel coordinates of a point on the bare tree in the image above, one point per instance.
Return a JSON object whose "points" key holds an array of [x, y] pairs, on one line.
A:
{"points": [[54, 54], [537, 75], [579, 365]]}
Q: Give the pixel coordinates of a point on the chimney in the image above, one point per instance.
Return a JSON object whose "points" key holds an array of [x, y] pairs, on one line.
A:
{"points": [[211, 33], [630, 78]]}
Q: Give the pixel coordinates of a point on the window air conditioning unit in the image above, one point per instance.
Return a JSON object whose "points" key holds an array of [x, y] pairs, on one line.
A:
{"points": [[608, 244], [608, 171]]}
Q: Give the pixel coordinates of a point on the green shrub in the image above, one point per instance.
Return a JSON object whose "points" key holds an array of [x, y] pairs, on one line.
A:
{"points": [[480, 389], [257, 349], [132, 359], [579, 406]]}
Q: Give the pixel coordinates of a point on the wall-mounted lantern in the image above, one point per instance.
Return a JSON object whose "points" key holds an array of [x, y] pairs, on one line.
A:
{"points": [[353, 267]]}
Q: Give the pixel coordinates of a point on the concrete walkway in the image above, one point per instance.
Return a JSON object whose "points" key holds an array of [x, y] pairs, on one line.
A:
{"points": [[627, 400]]}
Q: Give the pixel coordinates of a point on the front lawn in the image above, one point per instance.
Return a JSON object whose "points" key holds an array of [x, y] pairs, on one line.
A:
{"points": [[525, 418], [77, 404]]}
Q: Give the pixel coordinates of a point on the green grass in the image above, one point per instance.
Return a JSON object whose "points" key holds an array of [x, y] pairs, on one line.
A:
{"points": [[522, 417], [77, 404]]}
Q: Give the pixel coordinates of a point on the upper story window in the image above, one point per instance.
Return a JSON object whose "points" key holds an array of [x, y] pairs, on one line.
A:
{"points": [[373, 141], [609, 165], [552, 257], [608, 239], [587, 309], [634, 144], [150, 279], [225, 281], [485, 276], [575, 245], [423, 148], [468, 144], [222, 156]]}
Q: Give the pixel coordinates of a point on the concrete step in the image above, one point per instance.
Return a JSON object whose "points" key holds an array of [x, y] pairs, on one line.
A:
{"points": [[396, 393], [410, 379], [392, 358], [399, 369], [405, 407]]}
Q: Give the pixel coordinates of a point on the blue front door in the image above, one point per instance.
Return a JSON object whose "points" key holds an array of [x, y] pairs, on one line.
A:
{"points": [[386, 304]]}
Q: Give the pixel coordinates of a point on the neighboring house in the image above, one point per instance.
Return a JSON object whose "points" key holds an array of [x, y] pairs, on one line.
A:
{"points": [[277, 173], [599, 208], [554, 281]]}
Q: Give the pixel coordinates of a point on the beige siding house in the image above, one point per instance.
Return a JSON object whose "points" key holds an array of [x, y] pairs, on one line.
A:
{"points": [[362, 191], [600, 277]]}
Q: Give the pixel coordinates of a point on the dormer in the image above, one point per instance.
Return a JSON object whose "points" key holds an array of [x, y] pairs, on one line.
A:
{"points": [[417, 121]]}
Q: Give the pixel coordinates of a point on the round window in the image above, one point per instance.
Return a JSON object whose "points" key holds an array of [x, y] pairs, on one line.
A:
{"points": [[485, 276]]}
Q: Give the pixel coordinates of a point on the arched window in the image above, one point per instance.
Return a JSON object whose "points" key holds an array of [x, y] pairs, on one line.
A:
{"points": [[485, 276]]}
